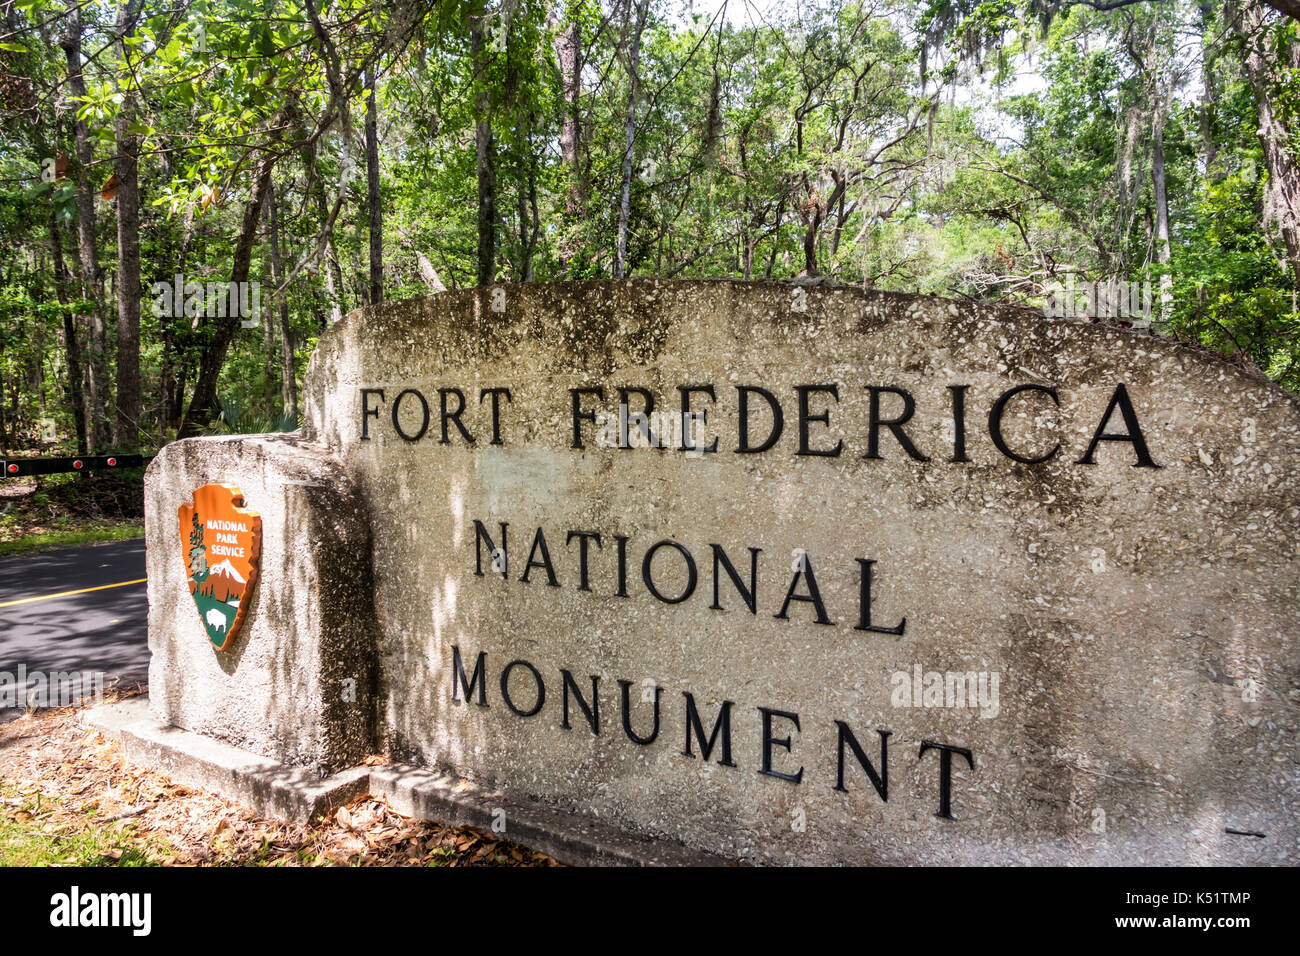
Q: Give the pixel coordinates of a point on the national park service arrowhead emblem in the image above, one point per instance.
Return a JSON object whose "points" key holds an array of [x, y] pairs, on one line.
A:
{"points": [[221, 544]]}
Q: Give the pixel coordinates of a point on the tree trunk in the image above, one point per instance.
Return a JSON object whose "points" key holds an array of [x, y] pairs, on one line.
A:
{"points": [[271, 392], [816, 218], [776, 239], [1162, 206], [1209, 93], [746, 217], [127, 423], [172, 406], [625, 204], [524, 167], [810, 241], [333, 281], [288, 362], [536, 233], [1289, 7], [484, 161], [214, 356], [1264, 70], [71, 344], [360, 281], [568, 46], [92, 277], [333, 271], [372, 196], [429, 274]]}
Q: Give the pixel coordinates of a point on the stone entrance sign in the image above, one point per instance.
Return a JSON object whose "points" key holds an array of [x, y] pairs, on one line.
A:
{"points": [[777, 573]]}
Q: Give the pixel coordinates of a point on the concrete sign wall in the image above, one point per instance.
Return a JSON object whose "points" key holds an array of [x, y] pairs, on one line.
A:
{"points": [[783, 573]]}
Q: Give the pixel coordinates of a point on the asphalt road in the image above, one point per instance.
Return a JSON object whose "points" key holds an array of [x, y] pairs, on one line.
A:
{"points": [[103, 630]]}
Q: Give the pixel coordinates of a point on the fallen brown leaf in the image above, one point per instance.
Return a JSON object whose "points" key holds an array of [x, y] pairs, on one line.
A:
{"points": [[75, 773]]}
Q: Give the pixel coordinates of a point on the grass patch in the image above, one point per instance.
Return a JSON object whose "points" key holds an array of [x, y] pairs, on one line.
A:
{"points": [[57, 511], [39, 830], [49, 540], [68, 797]]}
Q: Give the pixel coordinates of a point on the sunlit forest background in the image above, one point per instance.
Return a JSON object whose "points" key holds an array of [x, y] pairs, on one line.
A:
{"points": [[332, 156]]}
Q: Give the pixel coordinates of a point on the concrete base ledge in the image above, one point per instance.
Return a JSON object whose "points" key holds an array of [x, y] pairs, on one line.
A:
{"points": [[564, 836], [274, 789], [259, 783]]}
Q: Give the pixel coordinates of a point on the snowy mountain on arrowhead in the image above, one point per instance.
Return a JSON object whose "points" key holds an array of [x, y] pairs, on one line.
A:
{"points": [[226, 569]]}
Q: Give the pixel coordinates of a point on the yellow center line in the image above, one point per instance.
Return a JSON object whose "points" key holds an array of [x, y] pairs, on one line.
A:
{"points": [[46, 597]]}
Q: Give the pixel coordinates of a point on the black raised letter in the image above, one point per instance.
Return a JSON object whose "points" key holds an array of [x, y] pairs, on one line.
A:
{"points": [[583, 537], [539, 543], [591, 712], [769, 741], [958, 422], [995, 422], [424, 411], [1134, 433], [864, 604], [824, 417], [879, 781], [895, 425], [367, 412], [625, 415], [626, 686], [945, 773], [621, 541], [453, 416], [747, 594], [496, 394], [579, 416], [691, 575], [813, 597], [686, 391], [778, 419], [458, 678], [722, 726], [505, 688], [480, 538]]}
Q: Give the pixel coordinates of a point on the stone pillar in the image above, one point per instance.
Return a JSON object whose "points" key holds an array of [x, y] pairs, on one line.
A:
{"points": [[297, 682]]}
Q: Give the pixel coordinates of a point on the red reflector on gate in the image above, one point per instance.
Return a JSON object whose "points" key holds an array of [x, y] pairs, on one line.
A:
{"points": [[112, 462], [13, 469], [77, 463]]}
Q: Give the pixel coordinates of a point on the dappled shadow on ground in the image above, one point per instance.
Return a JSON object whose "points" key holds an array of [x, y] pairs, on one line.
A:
{"points": [[27, 575], [100, 636], [108, 639], [84, 783]]}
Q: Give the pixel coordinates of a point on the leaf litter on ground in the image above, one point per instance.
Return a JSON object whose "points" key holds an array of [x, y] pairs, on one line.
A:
{"points": [[62, 779]]}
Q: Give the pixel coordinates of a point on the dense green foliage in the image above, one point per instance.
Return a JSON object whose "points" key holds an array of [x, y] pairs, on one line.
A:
{"points": [[995, 150]]}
